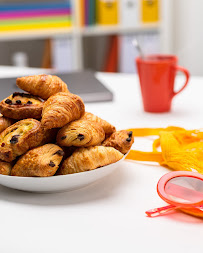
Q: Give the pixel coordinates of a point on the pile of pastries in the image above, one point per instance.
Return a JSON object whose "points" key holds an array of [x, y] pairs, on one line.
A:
{"points": [[45, 131]]}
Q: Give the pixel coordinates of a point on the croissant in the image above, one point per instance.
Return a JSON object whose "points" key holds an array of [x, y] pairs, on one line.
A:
{"points": [[39, 162], [120, 140], [4, 123], [43, 86], [81, 133], [21, 106], [19, 138], [84, 159], [108, 128], [60, 109], [5, 168]]}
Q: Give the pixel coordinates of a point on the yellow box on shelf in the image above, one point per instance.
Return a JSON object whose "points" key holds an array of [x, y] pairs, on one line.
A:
{"points": [[150, 11], [107, 12]]}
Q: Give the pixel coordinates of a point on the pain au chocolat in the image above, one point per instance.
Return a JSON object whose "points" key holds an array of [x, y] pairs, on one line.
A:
{"points": [[39, 162], [81, 133], [121, 140]]}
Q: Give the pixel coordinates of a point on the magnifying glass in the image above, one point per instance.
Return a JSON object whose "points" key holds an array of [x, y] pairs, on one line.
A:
{"points": [[180, 189]]}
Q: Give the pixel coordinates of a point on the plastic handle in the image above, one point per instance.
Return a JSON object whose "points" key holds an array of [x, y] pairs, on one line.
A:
{"points": [[159, 211], [187, 75]]}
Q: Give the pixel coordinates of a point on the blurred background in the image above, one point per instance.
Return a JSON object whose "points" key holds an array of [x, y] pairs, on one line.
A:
{"points": [[72, 35]]}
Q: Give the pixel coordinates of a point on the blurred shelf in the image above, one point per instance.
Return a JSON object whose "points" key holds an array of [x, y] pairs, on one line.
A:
{"points": [[116, 29], [77, 31], [34, 34]]}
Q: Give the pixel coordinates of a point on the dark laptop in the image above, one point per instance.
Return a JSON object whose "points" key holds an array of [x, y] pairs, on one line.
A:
{"points": [[84, 84]]}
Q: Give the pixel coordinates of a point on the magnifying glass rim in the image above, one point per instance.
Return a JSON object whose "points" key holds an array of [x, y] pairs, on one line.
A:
{"points": [[167, 177]]}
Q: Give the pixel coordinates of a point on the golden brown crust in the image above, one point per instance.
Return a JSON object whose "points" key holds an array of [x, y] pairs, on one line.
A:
{"points": [[21, 106], [39, 162], [120, 140], [5, 168], [43, 86], [60, 109], [84, 159], [81, 133], [108, 128], [19, 138], [5, 122], [49, 136]]}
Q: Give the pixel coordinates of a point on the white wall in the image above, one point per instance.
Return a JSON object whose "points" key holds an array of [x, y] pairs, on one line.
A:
{"points": [[188, 34]]}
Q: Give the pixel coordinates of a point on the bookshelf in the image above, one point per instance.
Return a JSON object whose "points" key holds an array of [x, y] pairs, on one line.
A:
{"points": [[78, 33], [96, 30]]}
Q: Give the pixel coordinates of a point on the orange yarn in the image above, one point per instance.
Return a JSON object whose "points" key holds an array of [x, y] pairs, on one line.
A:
{"points": [[180, 149]]}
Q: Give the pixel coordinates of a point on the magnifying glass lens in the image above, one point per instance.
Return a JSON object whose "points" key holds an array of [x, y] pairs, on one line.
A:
{"points": [[185, 190]]}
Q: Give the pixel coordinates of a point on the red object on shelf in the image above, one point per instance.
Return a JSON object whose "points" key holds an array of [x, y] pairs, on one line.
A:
{"points": [[111, 64]]}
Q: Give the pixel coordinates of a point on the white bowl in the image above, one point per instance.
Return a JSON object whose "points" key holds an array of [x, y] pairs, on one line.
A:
{"points": [[58, 183]]}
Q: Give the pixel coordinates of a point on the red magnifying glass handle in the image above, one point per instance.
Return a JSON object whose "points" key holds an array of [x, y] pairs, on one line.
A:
{"points": [[160, 210]]}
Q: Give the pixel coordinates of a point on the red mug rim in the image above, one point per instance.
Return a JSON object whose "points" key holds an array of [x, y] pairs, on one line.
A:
{"points": [[157, 58]]}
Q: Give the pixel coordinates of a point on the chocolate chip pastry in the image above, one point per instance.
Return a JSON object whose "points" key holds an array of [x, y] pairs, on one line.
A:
{"points": [[43, 86], [81, 133], [84, 159], [21, 106], [39, 162], [19, 138], [120, 140]]}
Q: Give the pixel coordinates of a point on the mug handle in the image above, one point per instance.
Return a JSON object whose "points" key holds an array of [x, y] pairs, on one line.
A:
{"points": [[187, 75]]}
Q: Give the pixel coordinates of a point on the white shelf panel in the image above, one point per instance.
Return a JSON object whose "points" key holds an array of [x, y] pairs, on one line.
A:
{"points": [[86, 31], [116, 29]]}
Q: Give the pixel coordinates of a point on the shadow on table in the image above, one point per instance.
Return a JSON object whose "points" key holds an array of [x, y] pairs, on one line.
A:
{"points": [[102, 189]]}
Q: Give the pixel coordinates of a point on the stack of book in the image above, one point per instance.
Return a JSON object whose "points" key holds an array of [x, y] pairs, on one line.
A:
{"points": [[94, 12], [35, 15], [112, 12], [87, 12]]}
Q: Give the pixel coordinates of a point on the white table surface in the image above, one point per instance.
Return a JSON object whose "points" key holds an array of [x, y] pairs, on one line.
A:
{"points": [[109, 215]]}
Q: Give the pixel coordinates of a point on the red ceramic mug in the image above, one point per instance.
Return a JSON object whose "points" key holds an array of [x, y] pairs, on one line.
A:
{"points": [[157, 75]]}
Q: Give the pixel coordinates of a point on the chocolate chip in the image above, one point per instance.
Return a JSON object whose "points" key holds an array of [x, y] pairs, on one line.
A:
{"points": [[14, 139], [63, 137], [59, 152], [13, 129], [3, 144], [8, 101], [81, 137], [29, 102], [18, 102], [128, 139], [130, 134], [17, 94], [52, 164], [22, 94]]}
